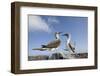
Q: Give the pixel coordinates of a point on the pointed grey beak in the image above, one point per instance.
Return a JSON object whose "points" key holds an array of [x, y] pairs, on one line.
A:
{"points": [[58, 32]]}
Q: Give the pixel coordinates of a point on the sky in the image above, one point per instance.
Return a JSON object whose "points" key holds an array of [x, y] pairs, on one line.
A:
{"points": [[41, 29]]}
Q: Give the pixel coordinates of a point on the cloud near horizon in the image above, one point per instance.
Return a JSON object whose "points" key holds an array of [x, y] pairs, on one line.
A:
{"points": [[37, 23]]}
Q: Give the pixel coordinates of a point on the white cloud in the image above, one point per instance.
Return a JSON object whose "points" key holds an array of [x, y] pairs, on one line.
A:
{"points": [[36, 23], [52, 20]]}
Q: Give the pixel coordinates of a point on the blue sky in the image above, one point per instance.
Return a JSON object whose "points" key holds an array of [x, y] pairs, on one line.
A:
{"points": [[41, 30]]}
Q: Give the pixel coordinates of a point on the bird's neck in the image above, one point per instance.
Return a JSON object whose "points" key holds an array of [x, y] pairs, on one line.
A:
{"points": [[68, 39], [57, 36]]}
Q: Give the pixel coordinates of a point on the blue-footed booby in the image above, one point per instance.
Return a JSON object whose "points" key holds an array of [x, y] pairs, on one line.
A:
{"points": [[69, 44], [51, 45], [55, 43]]}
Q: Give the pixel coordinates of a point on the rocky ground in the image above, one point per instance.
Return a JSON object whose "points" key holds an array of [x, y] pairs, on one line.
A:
{"points": [[58, 56]]}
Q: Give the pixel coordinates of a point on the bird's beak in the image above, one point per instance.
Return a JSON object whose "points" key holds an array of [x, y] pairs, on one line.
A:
{"points": [[58, 32]]}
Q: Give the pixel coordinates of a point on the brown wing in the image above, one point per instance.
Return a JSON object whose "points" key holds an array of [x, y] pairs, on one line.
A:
{"points": [[53, 44], [72, 48]]}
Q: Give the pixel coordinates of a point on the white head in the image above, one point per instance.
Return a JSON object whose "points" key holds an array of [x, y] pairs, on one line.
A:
{"points": [[57, 35]]}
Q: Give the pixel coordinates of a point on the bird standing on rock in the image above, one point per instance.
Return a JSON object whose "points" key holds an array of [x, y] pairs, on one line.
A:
{"points": [[51, 45]]}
